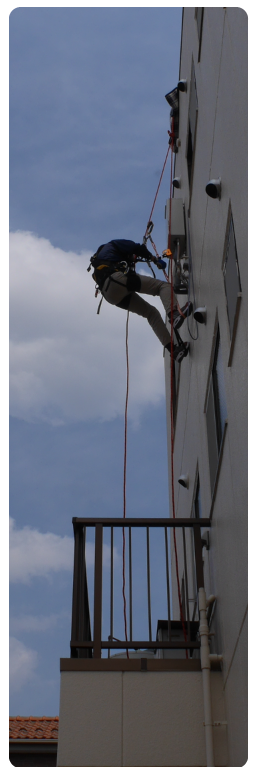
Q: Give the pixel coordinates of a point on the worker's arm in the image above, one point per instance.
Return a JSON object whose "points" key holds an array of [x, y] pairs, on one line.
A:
{"points": [[145, 253], [157, 261]]}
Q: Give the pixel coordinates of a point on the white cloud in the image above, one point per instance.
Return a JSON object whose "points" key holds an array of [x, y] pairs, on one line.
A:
{"points": [[23, 662], [36, 623], [66, 362], [33, 553]]}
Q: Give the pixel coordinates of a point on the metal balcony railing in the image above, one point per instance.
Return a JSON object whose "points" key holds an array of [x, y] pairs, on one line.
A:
{"points": [[88, 644]]}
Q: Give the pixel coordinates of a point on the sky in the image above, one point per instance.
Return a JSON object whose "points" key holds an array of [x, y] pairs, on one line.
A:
{"points": [[88, 138]]}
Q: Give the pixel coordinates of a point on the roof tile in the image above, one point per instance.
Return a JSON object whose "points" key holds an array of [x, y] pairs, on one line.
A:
{"points": [[34, 727]]}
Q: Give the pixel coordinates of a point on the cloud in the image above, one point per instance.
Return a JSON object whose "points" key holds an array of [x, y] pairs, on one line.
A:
{"points": [[23, 662], [33, 553], [67, 363], [37, 554], [36, 623]]}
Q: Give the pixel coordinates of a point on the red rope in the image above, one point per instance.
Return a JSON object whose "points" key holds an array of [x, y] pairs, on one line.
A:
{"points": [[156, 195], [124, 476], [153, 206], [171, 409], [171, 406]]}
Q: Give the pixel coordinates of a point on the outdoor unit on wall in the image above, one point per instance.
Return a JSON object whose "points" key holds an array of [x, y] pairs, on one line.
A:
{"points": [[177, 224], [174, 213]]}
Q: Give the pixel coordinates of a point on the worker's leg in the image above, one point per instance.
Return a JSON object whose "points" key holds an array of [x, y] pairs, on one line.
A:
{"points": [[137, 304], [144, 309], [115, 292], [153, 287], [116, 288]]}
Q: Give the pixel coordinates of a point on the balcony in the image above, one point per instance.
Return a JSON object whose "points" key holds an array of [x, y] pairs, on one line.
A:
{"points": [[189, 545], [136, 700]]}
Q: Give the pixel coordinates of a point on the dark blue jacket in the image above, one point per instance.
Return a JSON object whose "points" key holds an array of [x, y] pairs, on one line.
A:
{"points": [[120, 250]]}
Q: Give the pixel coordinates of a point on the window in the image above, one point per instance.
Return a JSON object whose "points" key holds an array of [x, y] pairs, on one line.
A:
{"points": [[197, 508], [189, 154], [195, 512], [232, 282], [192, 124], [176, 377], [199, 14], [216, 411], [176, 380]]}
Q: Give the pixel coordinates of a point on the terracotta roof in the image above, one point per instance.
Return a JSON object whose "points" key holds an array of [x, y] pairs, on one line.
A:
{"points": [[34, 727]]}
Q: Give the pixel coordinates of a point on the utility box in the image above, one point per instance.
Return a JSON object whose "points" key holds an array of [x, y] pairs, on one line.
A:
{"points": [[177, 222], [177, 635]]}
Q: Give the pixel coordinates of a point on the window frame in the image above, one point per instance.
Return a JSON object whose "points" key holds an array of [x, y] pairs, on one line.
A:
{"points": [[191, 134], [176, 384], [197, 506], [216, 437], [176, 377], [199, 27], [196, 492], [232, 327]]}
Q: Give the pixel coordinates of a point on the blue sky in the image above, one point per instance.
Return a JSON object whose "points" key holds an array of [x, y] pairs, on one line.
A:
{"points": [[88, 138]]}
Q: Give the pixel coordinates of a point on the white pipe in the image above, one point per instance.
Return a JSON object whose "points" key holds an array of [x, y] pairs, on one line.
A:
{"points": [[205, 667]]}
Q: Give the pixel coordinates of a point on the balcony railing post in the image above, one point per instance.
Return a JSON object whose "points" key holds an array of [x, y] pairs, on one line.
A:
{"points": [[86, 625], [75, 593], [148, 584], [81, 630], [111, 584], [97, 592], [168, 584], [82, 576], [198, 557], [130, 584], [186, 584]]}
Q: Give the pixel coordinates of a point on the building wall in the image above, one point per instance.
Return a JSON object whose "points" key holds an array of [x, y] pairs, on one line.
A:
{"points": [[220, 151], [150, 719]]}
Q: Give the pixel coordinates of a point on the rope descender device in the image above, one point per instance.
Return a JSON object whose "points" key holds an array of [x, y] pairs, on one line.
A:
{"points": [[168, 253]]}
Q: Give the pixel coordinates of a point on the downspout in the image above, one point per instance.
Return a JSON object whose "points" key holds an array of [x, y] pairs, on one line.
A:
{"points": [[206, 680]]}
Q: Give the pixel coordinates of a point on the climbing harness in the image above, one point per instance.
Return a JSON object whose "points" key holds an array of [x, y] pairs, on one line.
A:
{"points": [[104, 270]]}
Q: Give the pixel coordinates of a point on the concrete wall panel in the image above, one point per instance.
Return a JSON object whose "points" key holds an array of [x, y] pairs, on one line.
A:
{"points": [[90, 729], [137, 719]]}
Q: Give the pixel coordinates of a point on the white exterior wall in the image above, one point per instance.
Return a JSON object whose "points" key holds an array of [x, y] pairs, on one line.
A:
{"points": [[137, 719], [221, 151]]}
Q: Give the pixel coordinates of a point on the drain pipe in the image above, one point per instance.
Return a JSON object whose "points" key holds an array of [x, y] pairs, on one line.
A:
{"points": [[205, 667]]}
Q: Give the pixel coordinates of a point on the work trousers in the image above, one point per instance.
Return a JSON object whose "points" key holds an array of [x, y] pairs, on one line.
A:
{"points": [[115, 292]]}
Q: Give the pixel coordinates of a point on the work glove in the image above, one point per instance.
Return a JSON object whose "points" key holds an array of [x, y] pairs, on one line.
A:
{"points": [[160, 263]]}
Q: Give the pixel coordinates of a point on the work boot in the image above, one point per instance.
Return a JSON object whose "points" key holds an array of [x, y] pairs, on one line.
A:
{"points": [[180, 351], [178, 318]]}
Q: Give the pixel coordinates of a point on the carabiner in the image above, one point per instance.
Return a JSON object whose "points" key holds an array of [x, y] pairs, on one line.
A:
{"points": [[124, 267], [149, 228]]}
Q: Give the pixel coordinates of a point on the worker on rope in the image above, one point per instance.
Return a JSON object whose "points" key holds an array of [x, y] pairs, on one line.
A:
{"points": [[115, 276]]}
